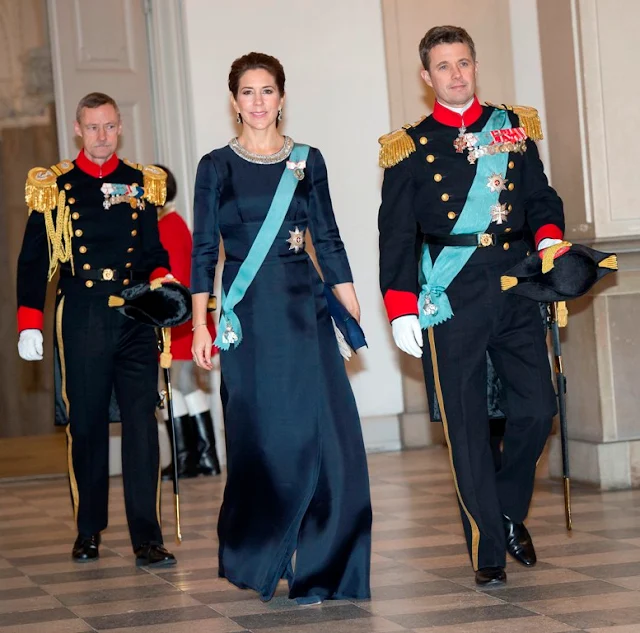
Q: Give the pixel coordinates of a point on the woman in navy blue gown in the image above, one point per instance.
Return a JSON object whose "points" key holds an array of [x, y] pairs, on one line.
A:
{"points": [[297, 478]]}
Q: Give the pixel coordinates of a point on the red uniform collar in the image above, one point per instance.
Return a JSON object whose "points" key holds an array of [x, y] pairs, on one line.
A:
{"points": [[84, 163], [443, 115]]}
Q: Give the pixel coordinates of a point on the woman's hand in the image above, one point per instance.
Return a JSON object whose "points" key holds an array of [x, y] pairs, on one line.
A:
{"points": [[346, 293], [201, 347]]}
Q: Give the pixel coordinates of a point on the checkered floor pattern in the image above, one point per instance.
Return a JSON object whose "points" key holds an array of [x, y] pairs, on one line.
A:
{"points": [[422, 581]]}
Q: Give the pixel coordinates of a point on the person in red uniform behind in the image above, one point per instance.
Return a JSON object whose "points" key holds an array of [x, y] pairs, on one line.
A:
{"points": [[195, 439]]}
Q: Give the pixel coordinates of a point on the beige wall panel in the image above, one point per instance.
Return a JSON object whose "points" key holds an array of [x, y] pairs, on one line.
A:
{"points": [[406, 22], [563, 124]]}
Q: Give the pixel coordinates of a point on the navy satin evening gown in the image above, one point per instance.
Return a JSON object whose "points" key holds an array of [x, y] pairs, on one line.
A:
{"points": [[297, 476]]}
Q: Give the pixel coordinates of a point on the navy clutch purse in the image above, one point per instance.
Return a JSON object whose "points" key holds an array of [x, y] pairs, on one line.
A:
{"points": [[348, 326]]}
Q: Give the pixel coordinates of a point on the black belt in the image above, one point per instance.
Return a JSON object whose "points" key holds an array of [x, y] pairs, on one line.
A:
{"points": [[481, 240], [107, 274]]}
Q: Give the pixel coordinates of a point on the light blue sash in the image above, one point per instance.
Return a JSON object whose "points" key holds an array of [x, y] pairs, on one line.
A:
{"points": [[433, 304], [230, 330]]}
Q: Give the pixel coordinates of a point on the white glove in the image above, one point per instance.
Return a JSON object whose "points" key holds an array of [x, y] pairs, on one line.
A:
{"points": [[343, 346], [30, 344], [407, 334], [546, 242]]}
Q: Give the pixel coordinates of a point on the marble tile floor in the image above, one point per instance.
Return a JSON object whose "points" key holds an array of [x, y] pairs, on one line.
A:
{"points": [[422, 581]]}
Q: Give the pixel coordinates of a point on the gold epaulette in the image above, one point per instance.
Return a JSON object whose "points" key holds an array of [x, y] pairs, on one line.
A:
{"points": [[41, 190], [155, 185], [154, 182], [396, 146], [529, 119]]}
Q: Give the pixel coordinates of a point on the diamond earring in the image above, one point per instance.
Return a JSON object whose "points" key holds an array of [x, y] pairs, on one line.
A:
{"points": [[280, 115], [238, 118]]}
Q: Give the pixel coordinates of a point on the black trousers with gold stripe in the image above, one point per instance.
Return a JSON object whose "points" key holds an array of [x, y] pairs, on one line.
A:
{"points": [[509, 328], [99, 351]]}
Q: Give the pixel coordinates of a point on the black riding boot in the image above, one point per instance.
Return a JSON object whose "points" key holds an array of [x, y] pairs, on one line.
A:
{"points": [[186, 448], [208, 463]]}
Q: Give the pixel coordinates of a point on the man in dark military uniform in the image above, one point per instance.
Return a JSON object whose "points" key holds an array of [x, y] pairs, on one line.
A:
{"points": [[461, 190], [94, 220]]}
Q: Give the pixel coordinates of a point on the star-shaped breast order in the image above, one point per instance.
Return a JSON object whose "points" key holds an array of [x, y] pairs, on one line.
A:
{"points": [[296, 240], [496, 183]]}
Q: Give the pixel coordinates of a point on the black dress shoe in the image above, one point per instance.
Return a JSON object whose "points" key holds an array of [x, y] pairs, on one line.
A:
{"points": [[490, 577], [85, 548], [154, 555], [519, 543]]}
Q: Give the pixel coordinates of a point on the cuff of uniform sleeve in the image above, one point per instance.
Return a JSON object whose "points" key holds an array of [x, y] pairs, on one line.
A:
{"points": [[30, 319], [158, 273], [400, 303], [548, 230]]}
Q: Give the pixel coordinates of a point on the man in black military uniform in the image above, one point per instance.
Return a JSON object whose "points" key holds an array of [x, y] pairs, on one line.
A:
{"points": [[94, 220], [461, 189]]}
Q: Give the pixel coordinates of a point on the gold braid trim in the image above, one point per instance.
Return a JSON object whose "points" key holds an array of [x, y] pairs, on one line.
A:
{"points": [[155, 185], [395, 147], [610, 262], [507, 282], [548, 256], [59, 236], [41, 190], [529, 119]]}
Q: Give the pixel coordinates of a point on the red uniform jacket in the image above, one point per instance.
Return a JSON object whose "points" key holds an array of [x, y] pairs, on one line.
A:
{"points": [[176, 239]]}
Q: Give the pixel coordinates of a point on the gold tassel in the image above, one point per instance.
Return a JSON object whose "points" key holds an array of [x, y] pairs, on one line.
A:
{"points": [[529, 119], [212, 304], [165, 357], [562, 313], [155, 185], [507, 282], [549, 255], [610, 262], [41, 190], [395, 147], [116, 302]]}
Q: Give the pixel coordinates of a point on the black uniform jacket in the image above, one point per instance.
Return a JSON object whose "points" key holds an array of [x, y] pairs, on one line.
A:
{"points": [[102, 228], [425, 189]]}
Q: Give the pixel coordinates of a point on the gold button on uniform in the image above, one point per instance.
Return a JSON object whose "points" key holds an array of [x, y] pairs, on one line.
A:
{"points": [[125, 282], [59, 292], [511, 164], [75, 215], [71, 200], [83, 249], [437, 177], [507, 230], [423, 140], [511, 186], [67, 186], [130, 249], [134, 233], [88, 283], [506, 246], [86, 267], [509, 207], [127, 265], [430, 158], [78, 232], [452, 215], [134, 216], [444, 197]]}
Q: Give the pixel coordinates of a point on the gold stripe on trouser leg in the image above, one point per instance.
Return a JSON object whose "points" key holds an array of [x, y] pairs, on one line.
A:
{"points": [[159, 491], [475, 532], [63, 372]]}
